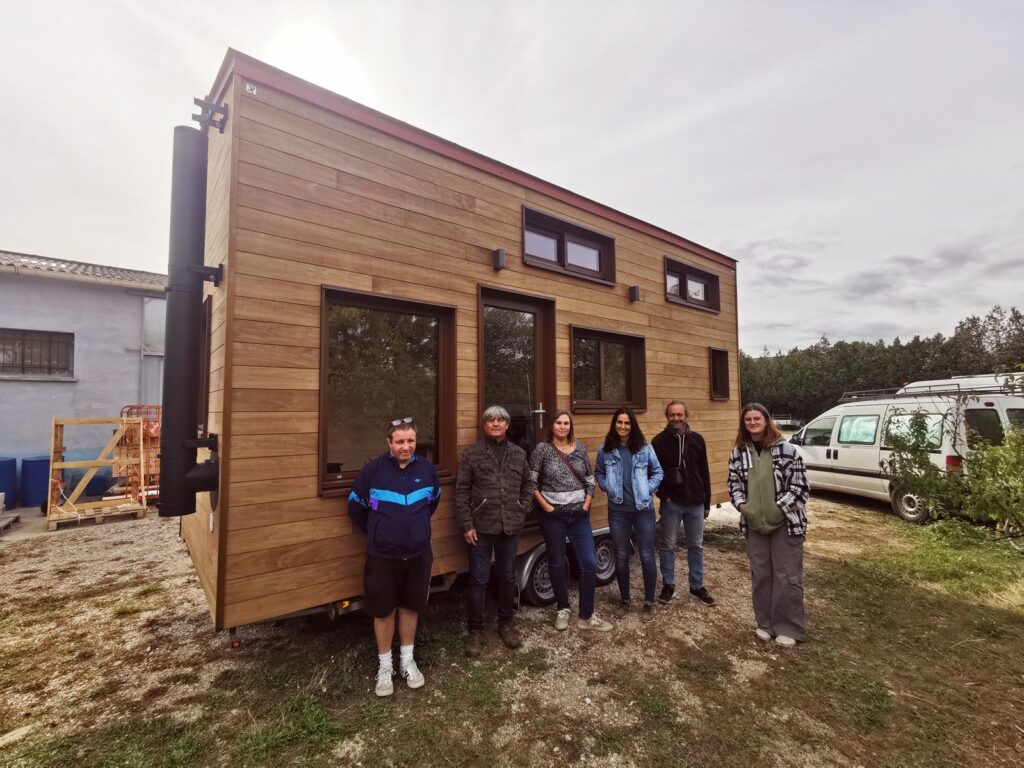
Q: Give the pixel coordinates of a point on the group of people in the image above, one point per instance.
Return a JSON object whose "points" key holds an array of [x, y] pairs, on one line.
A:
{"points": [[497, 484]]}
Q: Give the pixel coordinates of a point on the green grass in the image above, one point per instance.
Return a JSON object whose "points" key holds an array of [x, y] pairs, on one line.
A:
{"points": [[474, 689], [127, 608], [302, 725]]}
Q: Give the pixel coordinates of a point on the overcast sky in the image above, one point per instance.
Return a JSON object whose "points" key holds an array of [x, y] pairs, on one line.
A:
{"points": [[864, 161]]}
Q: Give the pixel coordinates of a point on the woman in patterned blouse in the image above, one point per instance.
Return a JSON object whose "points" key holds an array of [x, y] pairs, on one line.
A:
{"points": [[565, 490]]}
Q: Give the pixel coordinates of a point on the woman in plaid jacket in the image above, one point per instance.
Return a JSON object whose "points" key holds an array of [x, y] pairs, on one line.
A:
{"points": [[768, 485]]}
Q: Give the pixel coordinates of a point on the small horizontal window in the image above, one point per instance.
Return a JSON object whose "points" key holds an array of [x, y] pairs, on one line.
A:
{"points": [[36, 353], [685, 284], [608, 371], [554, 244], [718, 360]]}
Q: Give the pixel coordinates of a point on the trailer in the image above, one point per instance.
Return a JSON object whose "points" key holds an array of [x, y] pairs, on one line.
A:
{"points": [[332, 268]]}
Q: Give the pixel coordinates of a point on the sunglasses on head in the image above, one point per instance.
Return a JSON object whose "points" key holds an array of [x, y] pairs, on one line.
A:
{"points": [[400, 422]]}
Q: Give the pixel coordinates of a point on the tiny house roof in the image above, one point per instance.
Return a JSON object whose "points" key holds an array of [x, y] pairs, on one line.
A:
{"points": [[245, 66], [80, 271]]}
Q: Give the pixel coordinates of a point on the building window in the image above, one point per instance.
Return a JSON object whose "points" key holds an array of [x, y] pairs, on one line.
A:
{"points": [[36, 353], [718, 360], [383, 359], [554, 244], [688, 285], [608, 371]]}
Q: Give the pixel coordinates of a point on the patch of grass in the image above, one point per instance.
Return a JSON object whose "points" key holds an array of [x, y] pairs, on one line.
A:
{"points": [[728, 539], [152, 588], [534, 660], [839, 688], [301, 724], [104, 689], [127, 608], [657, 708], [612, 740], [184, 678], [476, 690], [705, 671]]}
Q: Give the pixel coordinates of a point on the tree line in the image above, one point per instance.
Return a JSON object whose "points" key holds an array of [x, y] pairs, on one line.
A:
{"points": [[805, 382]]}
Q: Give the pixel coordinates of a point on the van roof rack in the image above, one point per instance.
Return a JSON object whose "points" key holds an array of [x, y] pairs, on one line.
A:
{"points": [[931, 390]]}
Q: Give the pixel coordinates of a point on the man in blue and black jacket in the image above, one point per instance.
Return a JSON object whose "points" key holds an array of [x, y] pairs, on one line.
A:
{"points": [[392, 501]]}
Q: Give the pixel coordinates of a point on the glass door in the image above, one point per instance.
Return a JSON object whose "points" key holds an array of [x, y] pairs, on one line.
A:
{"points": [[516, 362]]}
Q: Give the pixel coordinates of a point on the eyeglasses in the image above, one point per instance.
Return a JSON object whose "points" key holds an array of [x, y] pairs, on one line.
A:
{"points": [[400, 422]]}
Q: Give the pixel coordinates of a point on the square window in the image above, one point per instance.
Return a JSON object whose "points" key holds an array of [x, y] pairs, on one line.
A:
{"points": [[565, 247], [701, 288], [608, 371], [383, 358]]}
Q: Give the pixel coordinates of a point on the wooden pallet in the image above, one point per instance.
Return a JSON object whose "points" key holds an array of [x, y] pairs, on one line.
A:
{"points": [[135, 510], [9, 520]]}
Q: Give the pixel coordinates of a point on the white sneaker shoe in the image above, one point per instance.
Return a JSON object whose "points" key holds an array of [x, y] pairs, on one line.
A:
{"points": [[763, 634], [562, 620], [785, 641], [385, 686], [413, 676], [595, 623]]}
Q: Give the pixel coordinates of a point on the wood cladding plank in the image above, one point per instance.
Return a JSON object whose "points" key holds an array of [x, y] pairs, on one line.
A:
{"points": [[270, 536], [256, 332], [272, 467], [267, 311], [278, 512], [286, 579], [259, 377], [272, 490], [273, 443], [271, 355], [245, 424], [275, 290], [273, 606], [292, 556], [282, 400]]}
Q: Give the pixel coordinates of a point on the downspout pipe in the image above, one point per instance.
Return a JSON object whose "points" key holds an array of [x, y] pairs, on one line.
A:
{"points": [[180, 477]]}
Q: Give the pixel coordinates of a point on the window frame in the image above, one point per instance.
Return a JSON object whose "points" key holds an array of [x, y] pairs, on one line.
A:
{"points": [[636, 383], [685, 272], [722, 360], [851, 416], [829, 434], [563, 232], [330, 486], [64, 373]]}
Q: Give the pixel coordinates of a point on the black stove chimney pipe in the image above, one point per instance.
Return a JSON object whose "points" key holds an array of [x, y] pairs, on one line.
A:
{"points": [[180, 478]]}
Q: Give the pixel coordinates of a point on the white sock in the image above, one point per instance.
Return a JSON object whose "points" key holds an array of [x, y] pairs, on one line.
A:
{"points": [[406, 655], [385, 660]]}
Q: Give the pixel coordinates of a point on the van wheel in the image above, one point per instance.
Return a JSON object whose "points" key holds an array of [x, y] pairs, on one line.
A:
{"points": [[538, 590], [908, 506], [605, 560]]}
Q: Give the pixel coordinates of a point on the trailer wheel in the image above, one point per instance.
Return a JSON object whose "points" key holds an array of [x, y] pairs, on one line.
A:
{"points": [[908, 507], [605, 560], [538, 590]]}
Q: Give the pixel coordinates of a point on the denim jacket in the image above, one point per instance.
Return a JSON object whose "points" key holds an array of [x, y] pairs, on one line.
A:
{"points": [[647, 474]]}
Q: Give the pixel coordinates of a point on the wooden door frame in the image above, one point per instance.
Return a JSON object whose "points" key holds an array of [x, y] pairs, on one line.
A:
{"points": [[544, 307]]}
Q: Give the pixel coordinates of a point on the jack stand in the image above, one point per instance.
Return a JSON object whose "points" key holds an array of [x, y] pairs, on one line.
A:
{"points": [[235, 642]]}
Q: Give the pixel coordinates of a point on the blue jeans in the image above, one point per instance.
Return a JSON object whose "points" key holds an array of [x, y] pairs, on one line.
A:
{"points": [[623, 523], [504, 547], [692, 518], [556, 527]]}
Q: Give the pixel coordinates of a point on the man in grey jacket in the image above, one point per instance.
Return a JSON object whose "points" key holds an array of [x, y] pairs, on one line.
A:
{"points": [[493, 491]]}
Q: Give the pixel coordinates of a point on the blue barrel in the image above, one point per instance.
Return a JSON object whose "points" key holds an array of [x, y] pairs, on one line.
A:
{"points": [[35, 480], [9, 481]]}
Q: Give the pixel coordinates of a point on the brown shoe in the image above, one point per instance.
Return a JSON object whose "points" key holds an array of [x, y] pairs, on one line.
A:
{"points": [[509, 635], [474, 643], [620, 610], [648, 612]]}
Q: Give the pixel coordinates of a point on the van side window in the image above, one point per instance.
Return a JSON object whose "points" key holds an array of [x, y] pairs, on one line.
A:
{"points": [[983, 426], [899, 425], [858, 430], [1016, 417], [820, 432]]}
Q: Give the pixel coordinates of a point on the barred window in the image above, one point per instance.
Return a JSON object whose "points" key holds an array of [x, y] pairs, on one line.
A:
{"points": [[36, 353]]}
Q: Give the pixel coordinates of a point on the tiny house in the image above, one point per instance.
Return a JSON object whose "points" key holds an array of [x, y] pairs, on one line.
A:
{"points": [[349, 269]]}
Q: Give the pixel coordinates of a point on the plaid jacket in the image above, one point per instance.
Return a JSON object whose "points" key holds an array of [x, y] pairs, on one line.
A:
{"points": [[791, 488]]}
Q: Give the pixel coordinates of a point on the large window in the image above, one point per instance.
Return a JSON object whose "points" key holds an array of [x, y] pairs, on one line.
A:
{"points": [[554, 244], [983, 426], [718, 361], [608, 371], [36, 353], [900, 425], [858, 430], [685, 284], [384, 359]]}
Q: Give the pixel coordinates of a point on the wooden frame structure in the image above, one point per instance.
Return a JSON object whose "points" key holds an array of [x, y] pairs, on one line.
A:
{"points": [[124, 453]]}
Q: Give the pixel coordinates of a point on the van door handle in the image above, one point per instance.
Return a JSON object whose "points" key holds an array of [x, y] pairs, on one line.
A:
{"points": [[835, 453], [828, 453]]}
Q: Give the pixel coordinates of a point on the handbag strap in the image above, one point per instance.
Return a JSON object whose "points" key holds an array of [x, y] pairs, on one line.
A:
{"points": [[561, 455]]}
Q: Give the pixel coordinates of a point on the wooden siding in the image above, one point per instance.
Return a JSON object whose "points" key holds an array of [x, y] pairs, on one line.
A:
{"points": [[319, 199]]}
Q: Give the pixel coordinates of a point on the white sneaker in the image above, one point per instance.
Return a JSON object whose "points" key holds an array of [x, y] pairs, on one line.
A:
{"points": [[413, 676], [562, 620], [594, 623], [385, 686], [785, 641], [763, 635]]}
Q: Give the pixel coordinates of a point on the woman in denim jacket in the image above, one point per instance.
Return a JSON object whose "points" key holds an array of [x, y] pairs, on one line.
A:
{"points": [[629, 472]]}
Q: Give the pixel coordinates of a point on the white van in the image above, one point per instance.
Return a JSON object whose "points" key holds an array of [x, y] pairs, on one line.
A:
{"points": [[843, 448]]}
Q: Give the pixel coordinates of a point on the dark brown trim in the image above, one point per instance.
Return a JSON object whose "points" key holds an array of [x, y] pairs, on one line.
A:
{"points": [[682, 270], [718, 367], [636, 347], [247, 67], [206, 330], [447, 411]]}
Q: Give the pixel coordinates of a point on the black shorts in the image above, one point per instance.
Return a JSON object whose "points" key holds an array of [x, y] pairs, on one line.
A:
{"points": [[390, 584]]}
